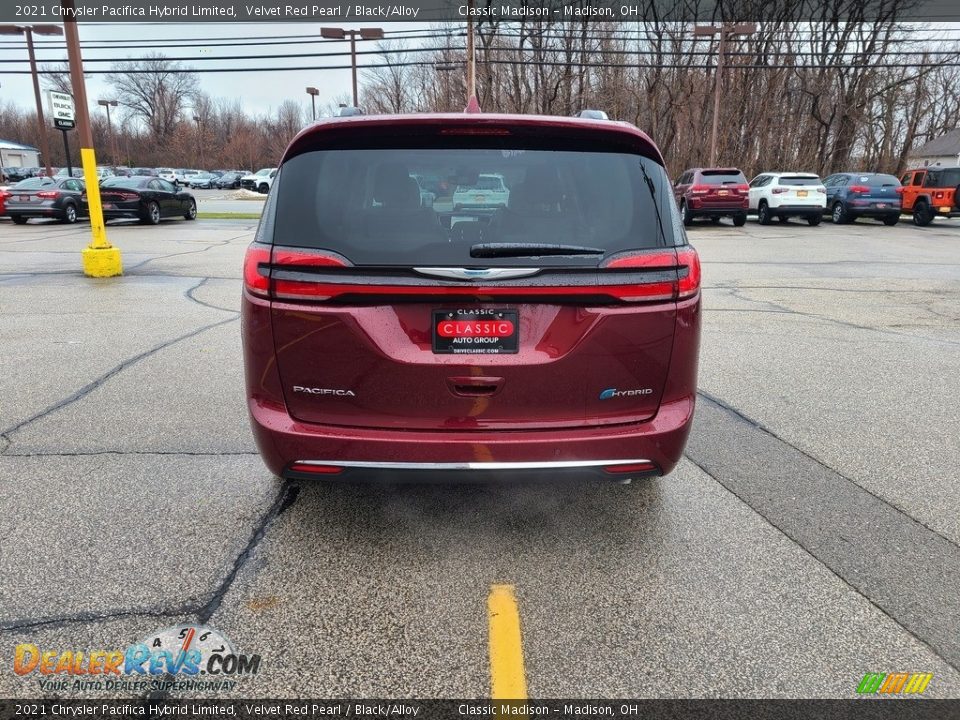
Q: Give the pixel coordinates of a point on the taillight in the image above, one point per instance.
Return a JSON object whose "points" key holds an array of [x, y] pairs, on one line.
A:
{"points": [[315, 469], [256, 270], [779, 190], [900, 190], [48, 194], [699, 189], [859, 189], [631, 467], [685, 260], [820, 189], [742, 188], [257, 265], [689, 283]]}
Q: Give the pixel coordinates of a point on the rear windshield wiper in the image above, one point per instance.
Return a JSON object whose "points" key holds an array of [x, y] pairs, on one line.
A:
{"points": [[489, 250]]}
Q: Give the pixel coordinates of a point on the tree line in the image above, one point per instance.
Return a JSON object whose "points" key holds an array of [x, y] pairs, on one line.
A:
{"points": [[817, 97]]}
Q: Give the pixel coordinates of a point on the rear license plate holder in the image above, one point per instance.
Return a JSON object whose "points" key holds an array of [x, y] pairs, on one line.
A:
{"points": [[723, 192], [801, 193], [476, 332]]}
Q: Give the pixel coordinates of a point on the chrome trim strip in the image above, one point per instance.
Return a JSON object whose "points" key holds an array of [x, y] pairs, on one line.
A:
{"points": [[477, 273], [551, 465]]}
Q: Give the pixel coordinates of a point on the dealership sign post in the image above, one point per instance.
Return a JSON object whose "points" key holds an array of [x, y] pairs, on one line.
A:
{"points": [[60, 107]]}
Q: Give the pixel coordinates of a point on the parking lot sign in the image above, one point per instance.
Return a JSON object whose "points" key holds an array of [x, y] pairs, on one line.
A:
{"points": [[61, 109]]}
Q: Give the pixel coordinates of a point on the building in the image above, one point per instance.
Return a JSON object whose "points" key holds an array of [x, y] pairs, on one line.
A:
{"points": [[14, 154], [943, 151]]}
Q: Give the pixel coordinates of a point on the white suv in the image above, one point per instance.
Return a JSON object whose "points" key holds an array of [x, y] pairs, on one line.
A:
{"points": [[786, 195], [261, 180]]}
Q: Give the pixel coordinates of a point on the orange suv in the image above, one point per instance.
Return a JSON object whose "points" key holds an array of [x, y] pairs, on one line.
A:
{"points": [[931, 192]]}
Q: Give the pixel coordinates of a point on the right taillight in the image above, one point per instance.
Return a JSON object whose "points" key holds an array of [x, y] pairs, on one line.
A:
{"points": [[684, 259], [899, 190], [689, 282], [859, 189]]}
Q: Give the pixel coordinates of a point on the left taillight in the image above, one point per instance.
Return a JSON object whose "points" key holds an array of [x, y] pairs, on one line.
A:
{"points": [[266, 272], [48, 194], [683, 259], [256, 270]]}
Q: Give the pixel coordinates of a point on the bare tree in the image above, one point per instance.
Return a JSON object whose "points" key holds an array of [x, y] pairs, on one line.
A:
{"points": [[154, 90]]}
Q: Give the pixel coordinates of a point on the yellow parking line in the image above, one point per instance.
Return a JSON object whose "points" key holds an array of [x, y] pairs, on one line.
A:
{"points": [[507, 678]]}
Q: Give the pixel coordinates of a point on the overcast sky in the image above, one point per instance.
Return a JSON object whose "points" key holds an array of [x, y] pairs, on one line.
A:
{"points": [[259, 92]]}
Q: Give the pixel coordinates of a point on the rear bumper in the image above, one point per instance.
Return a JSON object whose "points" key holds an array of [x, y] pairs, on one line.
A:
{"points": [[733, 207], [470, 456], [798, 209], [874, 208]]}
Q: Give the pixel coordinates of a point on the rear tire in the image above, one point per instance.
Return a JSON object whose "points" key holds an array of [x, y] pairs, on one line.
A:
{"points": [[151, 214], [814, 220], [740, 219], [18, 219], [764, 216], [840, 214], [922, 213], [70, 213], [191, 213], [891, 220], [687, 214]]}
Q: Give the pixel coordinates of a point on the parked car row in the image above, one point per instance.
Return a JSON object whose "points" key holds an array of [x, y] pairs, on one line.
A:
{"points": [[142, 197], [717, 193]]}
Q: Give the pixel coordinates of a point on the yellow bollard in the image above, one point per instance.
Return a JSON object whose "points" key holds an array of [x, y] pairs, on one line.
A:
{"points": [[100, 258]]}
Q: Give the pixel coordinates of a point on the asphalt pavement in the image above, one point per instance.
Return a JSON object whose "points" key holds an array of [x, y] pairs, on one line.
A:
{"points": [[810, 535]]}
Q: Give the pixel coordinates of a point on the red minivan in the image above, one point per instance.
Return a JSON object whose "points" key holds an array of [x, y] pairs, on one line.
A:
{"points": [[391, 334]]}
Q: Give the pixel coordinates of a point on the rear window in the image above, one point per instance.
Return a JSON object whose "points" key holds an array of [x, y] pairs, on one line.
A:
{"points": [[722, 177], [35, 182], [138, 181], [799, 180], [367, 204]]}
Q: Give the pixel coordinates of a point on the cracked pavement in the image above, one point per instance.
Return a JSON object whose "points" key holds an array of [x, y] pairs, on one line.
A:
{"points": [[812, 533]]}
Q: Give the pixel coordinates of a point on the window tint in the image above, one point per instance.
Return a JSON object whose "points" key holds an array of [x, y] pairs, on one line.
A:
{"points": [[759, 181], [133, 182], [367, 205], [945, 178], [154, 185], [166, 185], [918, 178], [722, 177], [798, 180]]}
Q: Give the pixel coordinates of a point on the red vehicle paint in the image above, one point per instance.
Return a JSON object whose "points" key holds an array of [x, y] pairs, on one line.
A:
{"points": [[388, 334]]}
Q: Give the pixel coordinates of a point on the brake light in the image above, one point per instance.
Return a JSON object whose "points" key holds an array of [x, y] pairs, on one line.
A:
{"points": [[900, 190], [256, 270], [779, 190], [308, 258], [475, 131], [689, 283], [665, 259], [48, 194], [742, 188], [859, 189], [699, 189]]}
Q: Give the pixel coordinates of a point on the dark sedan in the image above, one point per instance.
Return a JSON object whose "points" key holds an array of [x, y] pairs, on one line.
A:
{"points": [[62, 198], [229, 180], [147, 199]]}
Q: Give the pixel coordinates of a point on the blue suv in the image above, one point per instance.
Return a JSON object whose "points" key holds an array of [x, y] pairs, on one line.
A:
{"points": [[852, 195]]}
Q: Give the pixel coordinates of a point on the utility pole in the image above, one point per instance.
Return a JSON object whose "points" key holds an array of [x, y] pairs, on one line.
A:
{"points": [[471, 58], [199, 121], [364, 34], [724, 30], [100, 258], [28, 31], [313, 92], [113, 140]]}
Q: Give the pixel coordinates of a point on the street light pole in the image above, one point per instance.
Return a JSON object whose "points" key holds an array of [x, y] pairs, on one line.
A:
{"points": [[100, 258], [313, 92], [28, 31], [724, 30], [471, 55], [364, 34], [113, 140]]}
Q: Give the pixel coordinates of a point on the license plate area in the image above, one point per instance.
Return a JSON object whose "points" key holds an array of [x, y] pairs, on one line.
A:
{"points": [[476, 331], [801, 193]]}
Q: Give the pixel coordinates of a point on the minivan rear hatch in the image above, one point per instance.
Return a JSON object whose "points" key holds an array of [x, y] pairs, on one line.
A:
{"points": [[552, 305]]}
